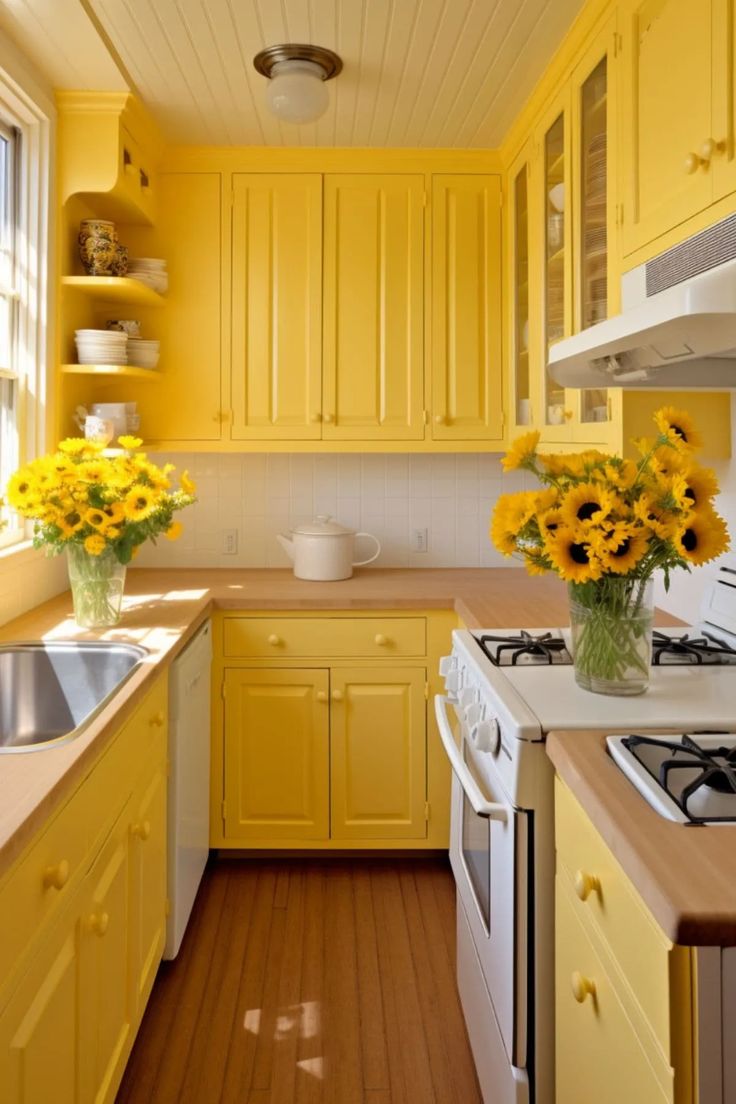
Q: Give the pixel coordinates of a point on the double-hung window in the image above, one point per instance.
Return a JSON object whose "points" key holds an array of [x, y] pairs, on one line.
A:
{"points": [[11, 383]]}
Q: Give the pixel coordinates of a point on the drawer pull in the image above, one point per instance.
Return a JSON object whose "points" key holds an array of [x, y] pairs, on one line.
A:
{"points": [[381, 640], [337, 695], [321, 696], [98, 923], [141, 829], [56, 877], [275, 640], [582, 987], [585, 884], [157, 720]]}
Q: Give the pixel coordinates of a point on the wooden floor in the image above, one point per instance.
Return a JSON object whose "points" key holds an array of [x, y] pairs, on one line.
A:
{"points": [[310, 982]]}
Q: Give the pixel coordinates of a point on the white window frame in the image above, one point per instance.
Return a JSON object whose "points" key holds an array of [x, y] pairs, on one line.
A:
{"points": [[32, 116]]}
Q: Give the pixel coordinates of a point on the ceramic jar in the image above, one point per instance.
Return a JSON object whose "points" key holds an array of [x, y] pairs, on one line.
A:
{"points": [[323, 550], [98, 244], [119, 265]]}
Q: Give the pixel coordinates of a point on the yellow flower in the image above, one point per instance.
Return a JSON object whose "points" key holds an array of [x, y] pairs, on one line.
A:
{"points": [[112, 532], [511, 514], [623, 556], [128, 442], [536, 563], [672, 492], [572, 555], [549, 521], [667, 460], [78, 446], [654, 517], [703, 537], [95, 544], [553, 463], [587, 504], [678, 427], [114, 512], [174, 531], [621, 475], [188, 485], [140, 502], [96, 518], [93, 471], [20, 490], [702, 486], [521, 453]]}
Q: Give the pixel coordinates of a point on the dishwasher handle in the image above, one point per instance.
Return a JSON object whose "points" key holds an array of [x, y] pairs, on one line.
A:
{"points": [[492, 810]]}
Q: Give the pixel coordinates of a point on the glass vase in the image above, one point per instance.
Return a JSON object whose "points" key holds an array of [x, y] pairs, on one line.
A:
{"points": [[97, 584], [611, 624]]}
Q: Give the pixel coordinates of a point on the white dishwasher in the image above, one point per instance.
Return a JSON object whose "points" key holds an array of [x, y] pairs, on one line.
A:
{"points": [[189, 782]]}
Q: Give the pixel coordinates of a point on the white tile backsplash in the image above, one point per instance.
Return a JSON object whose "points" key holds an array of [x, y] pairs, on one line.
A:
{"points": [[388, 495]]}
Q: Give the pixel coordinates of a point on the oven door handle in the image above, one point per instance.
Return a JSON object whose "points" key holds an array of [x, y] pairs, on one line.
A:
{"points": [[490, 809]]}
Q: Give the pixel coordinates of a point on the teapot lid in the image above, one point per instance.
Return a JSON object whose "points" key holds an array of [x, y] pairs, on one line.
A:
{"points": [[322, 526]]}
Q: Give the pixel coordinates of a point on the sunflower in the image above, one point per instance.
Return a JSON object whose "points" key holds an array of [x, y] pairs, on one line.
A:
{"points": [[174, 531], [21, 490], [702, 486], [130, 443], [511, 514], [79, 446], [93, 471], [553, 463], [188, 485], [520, 455], [621, 474], [537, 563], [672, 492], [587, 504], [666, 460], [95, 544], [114, 512], [572, 555], [96, 518], [678, 427], [549, 521], [140, 502], [660, 521], [629, 549], [703, 537]]}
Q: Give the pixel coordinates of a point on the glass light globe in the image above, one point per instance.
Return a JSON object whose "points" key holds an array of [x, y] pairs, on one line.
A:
{"points": [[296, 92]]}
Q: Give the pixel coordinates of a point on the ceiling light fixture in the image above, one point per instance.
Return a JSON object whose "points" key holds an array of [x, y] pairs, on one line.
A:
{"points": [[297, 74]]}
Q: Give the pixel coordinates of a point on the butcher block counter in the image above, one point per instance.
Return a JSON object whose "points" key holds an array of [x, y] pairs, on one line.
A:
{"points": [[685, 874], [163, 608]]}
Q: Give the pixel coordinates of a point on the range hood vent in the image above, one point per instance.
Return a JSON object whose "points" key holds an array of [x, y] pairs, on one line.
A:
{"points": [[677, 330]]}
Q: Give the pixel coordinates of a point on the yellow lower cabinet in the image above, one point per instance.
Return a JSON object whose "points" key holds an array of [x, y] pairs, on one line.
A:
{"points": [[599, 1057], [41, 1050], [146, 828], [378, 760], [106, 1012], [276, 754]]}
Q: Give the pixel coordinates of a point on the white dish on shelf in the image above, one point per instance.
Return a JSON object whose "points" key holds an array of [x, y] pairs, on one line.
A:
{"points": [[157, 264], [557, 196], [155, 281]]}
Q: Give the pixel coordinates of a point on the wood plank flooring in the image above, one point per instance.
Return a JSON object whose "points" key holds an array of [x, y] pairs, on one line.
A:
{"points": [[310, 982]]}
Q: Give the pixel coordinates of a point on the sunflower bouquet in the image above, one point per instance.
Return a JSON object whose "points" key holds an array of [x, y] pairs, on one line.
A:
{"points": [[605, 524], [99, 509]]}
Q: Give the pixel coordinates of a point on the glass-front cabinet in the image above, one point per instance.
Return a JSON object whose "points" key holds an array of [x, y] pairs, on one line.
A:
{"points": [[521, 322]]}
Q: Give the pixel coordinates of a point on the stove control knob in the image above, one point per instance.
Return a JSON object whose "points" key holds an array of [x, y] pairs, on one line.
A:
{"points": [[468, 695], [472, 714], [448, 663], [452, 682], [486, 736]]}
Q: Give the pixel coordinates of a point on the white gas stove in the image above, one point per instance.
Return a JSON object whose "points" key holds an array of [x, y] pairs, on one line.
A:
{"points": [[505, 690]]}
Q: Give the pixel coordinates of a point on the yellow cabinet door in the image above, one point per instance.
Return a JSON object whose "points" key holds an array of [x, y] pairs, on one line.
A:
{"points": [[106, 1004], [522, 260], [598, 1054], [378, 753], [467, 377], [373, 307], [276, 306], [146, 827], [186, 402], [276, 754], [667, 101], [723, 133], [41, 1052]]}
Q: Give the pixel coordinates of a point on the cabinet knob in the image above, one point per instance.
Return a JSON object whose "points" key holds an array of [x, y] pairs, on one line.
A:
{"points": [[329, 418], [567, 415], [275, 640], [158, 719], [321, 696], [380, 640], [585, 884], [582, 987], [141, 829], [98, 922], [337, 695], [317, 417], [56, 877], [439, 419], [691, 164]]}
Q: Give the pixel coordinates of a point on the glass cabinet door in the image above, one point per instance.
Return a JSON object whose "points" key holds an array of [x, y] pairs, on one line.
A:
{"points": [[556, 273], [520, 319]]}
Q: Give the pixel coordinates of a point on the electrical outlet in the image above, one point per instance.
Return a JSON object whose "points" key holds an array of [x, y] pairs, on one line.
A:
{"points": [[229, 542], [419, 540]]}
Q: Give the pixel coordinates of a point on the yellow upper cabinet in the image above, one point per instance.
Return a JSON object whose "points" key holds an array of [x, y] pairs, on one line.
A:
{"points": [[373, 307], [667, 114], [276, 306], [721, 141], [466, 372], [521, 319]]}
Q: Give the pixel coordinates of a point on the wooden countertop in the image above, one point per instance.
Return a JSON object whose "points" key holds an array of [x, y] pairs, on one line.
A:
{"points": [[685, 875], [163, 608]]}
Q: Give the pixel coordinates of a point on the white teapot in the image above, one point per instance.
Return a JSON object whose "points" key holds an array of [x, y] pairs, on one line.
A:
{"points": [[323, 550]]}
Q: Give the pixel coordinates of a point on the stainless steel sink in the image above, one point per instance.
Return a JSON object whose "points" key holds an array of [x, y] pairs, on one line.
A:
{"points": [[49, 692]]}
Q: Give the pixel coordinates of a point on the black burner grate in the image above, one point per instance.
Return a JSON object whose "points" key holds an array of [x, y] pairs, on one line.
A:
{"points": [[685, 649], [507, 651], [718, 770]]}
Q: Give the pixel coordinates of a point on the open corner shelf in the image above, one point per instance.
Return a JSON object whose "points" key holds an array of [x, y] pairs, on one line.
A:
{"points": [[124, 371], [115, 289]]}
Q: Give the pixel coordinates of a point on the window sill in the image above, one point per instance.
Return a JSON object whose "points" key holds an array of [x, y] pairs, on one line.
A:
{"points": [[18, 552]]}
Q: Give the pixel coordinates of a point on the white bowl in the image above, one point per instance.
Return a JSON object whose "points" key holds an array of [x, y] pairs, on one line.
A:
{"points": [[147, 262], [557, 197]]}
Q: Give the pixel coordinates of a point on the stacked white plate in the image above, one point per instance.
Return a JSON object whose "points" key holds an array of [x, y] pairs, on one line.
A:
{"points": [[151, 271], [142, 353], [101, 346]]}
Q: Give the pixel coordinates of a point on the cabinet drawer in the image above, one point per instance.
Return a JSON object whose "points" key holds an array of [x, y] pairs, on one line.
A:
{"points": [[41, 881], [650, 963], [281, 637], [598, 1053]]}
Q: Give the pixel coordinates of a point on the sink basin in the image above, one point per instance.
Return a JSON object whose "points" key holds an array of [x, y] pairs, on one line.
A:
{"points": [[49, 692]]}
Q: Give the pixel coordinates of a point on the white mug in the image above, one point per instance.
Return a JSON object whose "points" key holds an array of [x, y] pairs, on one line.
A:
{"points": [[116, 413], [98, 429]]}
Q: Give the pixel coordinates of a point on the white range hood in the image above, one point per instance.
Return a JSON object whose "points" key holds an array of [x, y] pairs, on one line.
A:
{"points": [[677, 329]]}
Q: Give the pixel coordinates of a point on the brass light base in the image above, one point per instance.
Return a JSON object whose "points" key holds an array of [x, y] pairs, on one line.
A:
{"points": [[329, 63]]}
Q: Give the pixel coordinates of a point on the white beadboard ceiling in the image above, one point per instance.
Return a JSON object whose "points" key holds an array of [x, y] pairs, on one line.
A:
{"points": [[418, 73]]}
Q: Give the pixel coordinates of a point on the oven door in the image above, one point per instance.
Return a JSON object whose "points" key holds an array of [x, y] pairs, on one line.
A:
{"points": [[489, 853]]}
